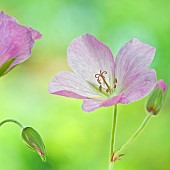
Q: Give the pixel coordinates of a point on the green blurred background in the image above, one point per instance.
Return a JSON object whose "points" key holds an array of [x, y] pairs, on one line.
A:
{"points": [[75, 139]]}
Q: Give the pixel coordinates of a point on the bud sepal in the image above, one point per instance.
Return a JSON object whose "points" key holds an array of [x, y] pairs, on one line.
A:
{"points": [[33, 140]]}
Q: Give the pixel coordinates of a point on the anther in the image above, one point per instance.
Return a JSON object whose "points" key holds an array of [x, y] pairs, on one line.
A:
{"points": [[98, 81], [115, 80]]}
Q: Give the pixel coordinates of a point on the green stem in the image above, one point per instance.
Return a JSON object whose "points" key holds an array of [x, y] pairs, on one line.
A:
{"points": [[113, 138], [113, 129], [11, 120], [136, 134]]}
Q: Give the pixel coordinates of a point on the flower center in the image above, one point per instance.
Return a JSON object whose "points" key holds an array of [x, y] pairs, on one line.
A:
{"points": [[103, 85]]}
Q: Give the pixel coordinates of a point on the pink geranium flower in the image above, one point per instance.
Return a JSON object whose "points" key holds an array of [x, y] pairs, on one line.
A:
{"points": [[16, 42], [99, 80]]}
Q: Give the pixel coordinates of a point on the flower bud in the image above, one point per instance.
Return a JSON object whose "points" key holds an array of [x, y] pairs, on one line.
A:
{"points": [[157, 98], [33, 140]]}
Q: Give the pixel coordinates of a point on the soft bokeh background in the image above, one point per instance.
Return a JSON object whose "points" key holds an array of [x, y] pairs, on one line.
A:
{"points": [[75, 139]]}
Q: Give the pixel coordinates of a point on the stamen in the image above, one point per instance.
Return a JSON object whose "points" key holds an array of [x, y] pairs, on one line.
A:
{"points": [[115, 80], [99, 81]]}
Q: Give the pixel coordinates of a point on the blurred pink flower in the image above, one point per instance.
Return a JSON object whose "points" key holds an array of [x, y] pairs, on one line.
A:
{"points": [[16, 42], [100, 80]]}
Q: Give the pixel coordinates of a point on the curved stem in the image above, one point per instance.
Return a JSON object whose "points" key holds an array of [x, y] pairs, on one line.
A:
{"points": [[136, 134], [113, 137], [11, 120]]}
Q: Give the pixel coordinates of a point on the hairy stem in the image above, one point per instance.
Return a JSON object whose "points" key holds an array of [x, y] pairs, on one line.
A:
{"points": [[113, 138], [136, 134]]}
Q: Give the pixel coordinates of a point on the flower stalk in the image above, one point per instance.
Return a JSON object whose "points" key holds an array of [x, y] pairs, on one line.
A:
{"points": [[113, 129], [113, 138], [30, 137], [11, 120], [136, 134]]}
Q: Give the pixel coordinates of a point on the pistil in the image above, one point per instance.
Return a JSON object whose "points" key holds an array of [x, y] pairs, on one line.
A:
{"points": [[100, 77], [103, 83]]}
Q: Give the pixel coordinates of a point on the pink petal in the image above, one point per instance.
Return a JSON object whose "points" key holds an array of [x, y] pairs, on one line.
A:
{"points": [[90, 105], [16, 41], [87, 56], [35, 34], [139, 87], [72, 85], [133, 75], [5, 17], [162, 85]]}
